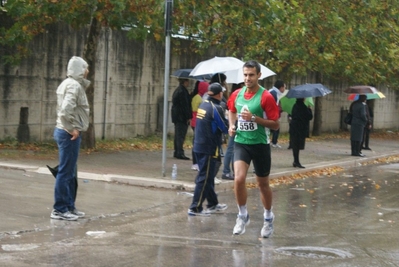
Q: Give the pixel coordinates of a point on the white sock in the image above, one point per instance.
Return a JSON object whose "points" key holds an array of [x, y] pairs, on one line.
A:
{"points": [[267, 214], [242, 211]]}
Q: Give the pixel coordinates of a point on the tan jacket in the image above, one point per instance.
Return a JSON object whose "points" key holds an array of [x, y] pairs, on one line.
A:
{"points": [[72, 105]]}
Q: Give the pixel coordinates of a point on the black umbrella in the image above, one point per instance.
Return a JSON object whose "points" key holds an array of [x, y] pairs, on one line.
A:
{"points": [[308, 90], [185, 74], [53, 171]]}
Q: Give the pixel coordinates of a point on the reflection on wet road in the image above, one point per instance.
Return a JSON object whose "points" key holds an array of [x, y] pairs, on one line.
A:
{"points": [[350, 219]]}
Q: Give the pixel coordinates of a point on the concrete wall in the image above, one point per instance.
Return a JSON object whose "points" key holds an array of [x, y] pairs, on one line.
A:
{"points": [[386, 110], [129, 86]]}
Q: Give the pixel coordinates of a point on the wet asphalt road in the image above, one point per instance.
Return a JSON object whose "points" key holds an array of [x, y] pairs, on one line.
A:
{"points": [[350, 219]]}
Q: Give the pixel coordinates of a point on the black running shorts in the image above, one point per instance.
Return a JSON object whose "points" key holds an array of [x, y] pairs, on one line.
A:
{"points": [[259, 154]]}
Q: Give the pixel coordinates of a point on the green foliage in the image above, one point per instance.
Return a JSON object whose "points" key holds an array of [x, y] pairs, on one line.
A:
{"points": [[30, 18], [353, 41]]}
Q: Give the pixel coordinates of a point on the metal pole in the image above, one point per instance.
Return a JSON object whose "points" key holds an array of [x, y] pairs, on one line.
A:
{"points": [[168, 28]]}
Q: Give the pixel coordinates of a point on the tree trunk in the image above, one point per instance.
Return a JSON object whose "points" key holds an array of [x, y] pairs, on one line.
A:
{"points": [[317, 118], [89, 54]]}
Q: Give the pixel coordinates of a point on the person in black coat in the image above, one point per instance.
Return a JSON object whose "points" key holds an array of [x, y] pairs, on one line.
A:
{"points": [[181, 116], [359, 122], [369, 125], [299, 128]]}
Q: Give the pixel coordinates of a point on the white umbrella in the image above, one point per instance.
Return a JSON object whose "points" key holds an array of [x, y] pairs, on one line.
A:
{"points": [[217, 65], [237, 75]]}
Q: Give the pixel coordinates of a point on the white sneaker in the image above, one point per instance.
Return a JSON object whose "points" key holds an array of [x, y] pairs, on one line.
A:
{"points": [[78, 213], [241, 222], [275, 145], [191, 212], [194, 167], [216, 208], [68, 216], [217, 181], [267, 229]]}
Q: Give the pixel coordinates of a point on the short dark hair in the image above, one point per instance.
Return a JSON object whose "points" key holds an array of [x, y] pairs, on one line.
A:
{"points": [[182, 80], [218, 78], [252, 64], [362, 98], [278, 84]]}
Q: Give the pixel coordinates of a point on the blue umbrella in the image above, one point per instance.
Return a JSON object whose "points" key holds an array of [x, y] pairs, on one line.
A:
{"points": [[308, 90]]}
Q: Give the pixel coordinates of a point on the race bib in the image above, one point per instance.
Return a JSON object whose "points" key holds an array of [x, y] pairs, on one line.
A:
{"points": [[246, 126]]}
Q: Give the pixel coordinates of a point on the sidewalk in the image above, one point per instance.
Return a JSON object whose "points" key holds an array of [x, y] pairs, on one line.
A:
{"points": [[144, 168]]}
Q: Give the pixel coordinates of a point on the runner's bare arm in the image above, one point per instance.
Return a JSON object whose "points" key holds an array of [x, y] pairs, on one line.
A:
{"points": [[232, 123]]}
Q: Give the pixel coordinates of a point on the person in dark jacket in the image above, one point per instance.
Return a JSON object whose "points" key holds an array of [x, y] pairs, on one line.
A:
{"points": [[369, 125], [211, 124], [277, 91], [359, 122], [181, 116], [299, 128]]}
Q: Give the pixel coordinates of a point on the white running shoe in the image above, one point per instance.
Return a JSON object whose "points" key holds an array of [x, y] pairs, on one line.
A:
{"points": [[67, 216], [191, 212], [78, 213], [194, 167], [241, 222], [216, 208], [267, 229], [217, 181], [275, 145]]}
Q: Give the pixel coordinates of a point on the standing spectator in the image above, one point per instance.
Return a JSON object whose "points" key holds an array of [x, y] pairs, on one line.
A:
{"points": [[72, 119], [299, 128], [255, 111], [200, 88], [277, 92], [210, 125], [359, 122], [369, 125], [181, 116], [228, 169], [289, 118], [221, 79]]}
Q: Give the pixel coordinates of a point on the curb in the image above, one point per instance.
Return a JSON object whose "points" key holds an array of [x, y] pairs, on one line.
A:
{"points": [[186, 186]]}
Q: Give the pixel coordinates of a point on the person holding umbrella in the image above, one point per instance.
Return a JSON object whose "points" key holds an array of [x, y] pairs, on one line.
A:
{"points": [[359, 122], [181, 116], [72, 119], [299, 128], [367, 129]]}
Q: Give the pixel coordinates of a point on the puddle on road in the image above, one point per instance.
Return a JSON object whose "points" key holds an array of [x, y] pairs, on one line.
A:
{"points": [[22, 247], [315, 252]]}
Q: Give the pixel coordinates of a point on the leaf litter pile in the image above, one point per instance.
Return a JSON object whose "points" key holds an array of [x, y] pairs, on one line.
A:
{"points": [[325, 172], [290, 179]]}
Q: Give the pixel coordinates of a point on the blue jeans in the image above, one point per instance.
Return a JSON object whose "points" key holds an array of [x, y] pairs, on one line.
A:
{"points": [[66, 181], [275, 134], [228, 156]]}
